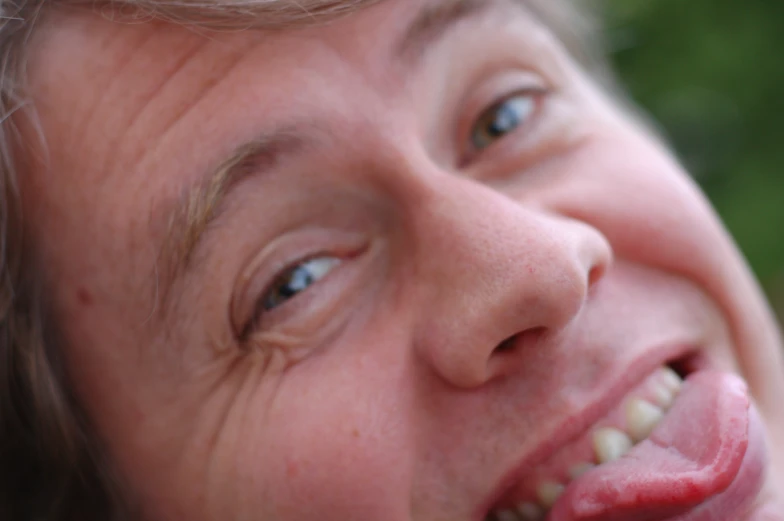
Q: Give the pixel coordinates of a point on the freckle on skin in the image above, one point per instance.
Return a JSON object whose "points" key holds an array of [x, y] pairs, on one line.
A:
{"points": [[85, 297]]}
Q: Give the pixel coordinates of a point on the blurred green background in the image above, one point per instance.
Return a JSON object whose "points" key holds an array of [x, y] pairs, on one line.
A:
{"points": [[711, 72]]}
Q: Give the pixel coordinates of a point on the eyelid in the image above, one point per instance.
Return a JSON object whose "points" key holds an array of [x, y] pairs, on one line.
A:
{"points": [[281, 254], [488, 94], [260, 317]]}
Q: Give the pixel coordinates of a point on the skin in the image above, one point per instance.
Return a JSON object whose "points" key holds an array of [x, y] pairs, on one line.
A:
{"points": [[385, 390]]}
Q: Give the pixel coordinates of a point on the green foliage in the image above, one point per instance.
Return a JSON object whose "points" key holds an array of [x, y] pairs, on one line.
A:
{"points": [[711, 72]]}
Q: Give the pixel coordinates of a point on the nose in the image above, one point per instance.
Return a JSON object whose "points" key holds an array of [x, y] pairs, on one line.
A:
{"points": [[492, 272]]}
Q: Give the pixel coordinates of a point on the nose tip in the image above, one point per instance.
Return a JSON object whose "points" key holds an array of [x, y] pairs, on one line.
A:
{"points": [[508, 276]]}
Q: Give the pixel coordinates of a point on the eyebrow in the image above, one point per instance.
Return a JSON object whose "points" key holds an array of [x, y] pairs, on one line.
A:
{"points": [[200, 205]]}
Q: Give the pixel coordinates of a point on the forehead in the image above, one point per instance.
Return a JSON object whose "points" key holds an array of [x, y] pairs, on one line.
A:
{"points": [[119, 84]]}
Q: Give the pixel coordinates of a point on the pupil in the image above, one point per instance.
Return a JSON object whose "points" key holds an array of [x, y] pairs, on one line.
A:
{"points": [[506, 120], [299, 279], [295, 281]]}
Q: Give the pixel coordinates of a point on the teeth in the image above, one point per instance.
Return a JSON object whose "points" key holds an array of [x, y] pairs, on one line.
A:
{"points": [[610, 444], [663, 396], [506, 515], [578, 470], [671, 380], [641, 418], [530, 512], [549, 492]]}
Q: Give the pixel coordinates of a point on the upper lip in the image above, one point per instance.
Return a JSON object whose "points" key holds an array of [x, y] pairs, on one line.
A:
{"points": [[572, 426]]}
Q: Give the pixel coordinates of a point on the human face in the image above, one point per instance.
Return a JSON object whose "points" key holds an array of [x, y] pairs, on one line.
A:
{"points": [[441, 263]]}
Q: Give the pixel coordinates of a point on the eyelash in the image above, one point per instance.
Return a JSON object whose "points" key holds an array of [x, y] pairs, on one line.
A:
{"points": [[535, 94], [337, 248], [260, 308]]}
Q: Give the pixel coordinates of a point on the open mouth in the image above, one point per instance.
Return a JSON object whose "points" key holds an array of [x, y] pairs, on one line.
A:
{"points": [[681, 444]]}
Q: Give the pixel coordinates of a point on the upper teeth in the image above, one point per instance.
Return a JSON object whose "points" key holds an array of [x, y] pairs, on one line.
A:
{"points": [[575, 471], [609, 444], [641, 418], [662, 395], [549, 492], [530, 511], [641, 415]]}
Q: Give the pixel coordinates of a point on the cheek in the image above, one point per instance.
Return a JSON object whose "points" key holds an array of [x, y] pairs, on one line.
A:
{"points": [[649, 210], [337, 441], [654, 215]]}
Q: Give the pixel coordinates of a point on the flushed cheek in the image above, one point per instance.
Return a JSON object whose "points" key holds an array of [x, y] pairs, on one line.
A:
{"points": [[330, 450], [332, 478]]}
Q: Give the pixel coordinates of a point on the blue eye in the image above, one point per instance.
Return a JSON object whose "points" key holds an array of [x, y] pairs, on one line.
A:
{"points": [[296, 280], [502, 118]]}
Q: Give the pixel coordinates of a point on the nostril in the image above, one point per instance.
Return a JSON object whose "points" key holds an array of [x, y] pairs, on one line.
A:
{"points": [[524, 338], [594, 275], [506, 345]]}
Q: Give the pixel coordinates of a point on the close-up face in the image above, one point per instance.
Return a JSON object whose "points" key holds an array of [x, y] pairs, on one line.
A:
{"points": [[412, 264]]}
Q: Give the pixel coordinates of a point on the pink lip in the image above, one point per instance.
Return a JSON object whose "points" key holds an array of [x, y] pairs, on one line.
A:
{"points": [[571, 427]]}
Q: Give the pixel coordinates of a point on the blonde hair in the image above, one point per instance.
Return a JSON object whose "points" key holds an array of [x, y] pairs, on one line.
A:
{"points": [[51, 465]]}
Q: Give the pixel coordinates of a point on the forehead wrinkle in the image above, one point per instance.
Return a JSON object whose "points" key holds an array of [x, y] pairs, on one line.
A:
{"points": [[107, 84], [103, 84], [164, 114], [148, 102], [217, 75]]}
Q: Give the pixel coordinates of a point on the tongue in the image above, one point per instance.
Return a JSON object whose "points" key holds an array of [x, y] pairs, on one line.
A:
{"points": [[692, 455]]}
